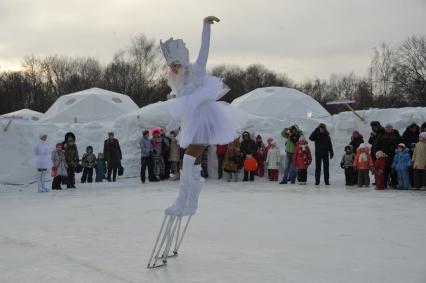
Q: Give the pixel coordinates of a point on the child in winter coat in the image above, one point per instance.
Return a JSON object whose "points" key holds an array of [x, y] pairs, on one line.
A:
{"points": [[302, 158], [59, 168], [267, 147], [379, 169], [347, 164], [273, 160], [401, 163], [42, 162], [101, 168], [89, 162], [363, 163], [233, 159], [419, 162]]}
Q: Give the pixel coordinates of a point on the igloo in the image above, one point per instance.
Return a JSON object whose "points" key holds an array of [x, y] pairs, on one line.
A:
{"points": [[94, 104], [280, 103], [23, 114]]}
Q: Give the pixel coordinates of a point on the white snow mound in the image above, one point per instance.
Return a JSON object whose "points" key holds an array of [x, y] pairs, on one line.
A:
{"points": [[94, 104], [280, 103]]}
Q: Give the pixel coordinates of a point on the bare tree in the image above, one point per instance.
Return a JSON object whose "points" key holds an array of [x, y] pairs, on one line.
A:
{"points": [[411, 69]]}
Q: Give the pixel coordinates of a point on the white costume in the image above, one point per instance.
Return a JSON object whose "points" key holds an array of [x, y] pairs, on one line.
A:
{"points": [[203, 119], [42, 161]]}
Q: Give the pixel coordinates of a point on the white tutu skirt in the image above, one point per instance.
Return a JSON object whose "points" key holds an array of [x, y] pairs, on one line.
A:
{"points": [[203, 119]]}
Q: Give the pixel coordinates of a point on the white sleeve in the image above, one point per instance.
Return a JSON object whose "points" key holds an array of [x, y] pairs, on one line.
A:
{"points": [[204, 49]]}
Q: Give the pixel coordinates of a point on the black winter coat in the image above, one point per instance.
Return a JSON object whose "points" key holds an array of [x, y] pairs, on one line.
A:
{"points": [[355, 142], [409, 138], [388, 143], [323, 145], [248, 147], [112, 153]]}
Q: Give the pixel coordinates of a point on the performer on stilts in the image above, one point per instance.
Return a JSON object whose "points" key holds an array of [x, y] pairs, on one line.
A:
{"points": [[203, 121]]}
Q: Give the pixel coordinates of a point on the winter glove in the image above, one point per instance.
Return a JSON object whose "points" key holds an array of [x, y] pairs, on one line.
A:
{"points": [[211, 20], [342, 165], [331, 155]]}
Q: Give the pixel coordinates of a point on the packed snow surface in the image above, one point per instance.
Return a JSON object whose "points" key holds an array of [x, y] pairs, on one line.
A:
{"points": [[243, 232]]}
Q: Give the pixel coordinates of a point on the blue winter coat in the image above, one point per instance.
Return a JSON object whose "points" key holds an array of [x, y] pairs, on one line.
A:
{"points": [[402, 160], [101, 169]]}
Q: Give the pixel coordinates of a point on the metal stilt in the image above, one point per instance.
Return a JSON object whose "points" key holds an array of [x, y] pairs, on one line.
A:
{"points": [[170, 232]]}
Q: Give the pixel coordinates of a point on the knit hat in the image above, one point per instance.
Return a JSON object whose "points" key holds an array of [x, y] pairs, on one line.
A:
{"points": [[349, 147], [401, 145], [422, 135], [380, 154], [389, 126], [355, 133], [258, 137], [59, 144]]}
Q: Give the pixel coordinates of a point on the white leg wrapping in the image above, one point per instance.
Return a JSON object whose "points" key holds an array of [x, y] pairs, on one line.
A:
{"points": [[40, 181], [186, 180], [43, 181], [194, 192]]}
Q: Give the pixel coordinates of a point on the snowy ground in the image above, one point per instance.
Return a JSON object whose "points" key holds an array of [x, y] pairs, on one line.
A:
{"points": [[257, 232]]}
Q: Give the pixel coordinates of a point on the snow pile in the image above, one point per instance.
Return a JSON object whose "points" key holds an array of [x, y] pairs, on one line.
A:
{"points": [[280, 103], [17, 143], [89, 105]]}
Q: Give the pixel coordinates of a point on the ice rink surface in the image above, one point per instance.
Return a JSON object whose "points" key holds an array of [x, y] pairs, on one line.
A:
{"points": [[243, 232]]}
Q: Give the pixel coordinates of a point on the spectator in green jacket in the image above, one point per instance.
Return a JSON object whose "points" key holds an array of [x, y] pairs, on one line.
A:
{"points": [[292, 135]]}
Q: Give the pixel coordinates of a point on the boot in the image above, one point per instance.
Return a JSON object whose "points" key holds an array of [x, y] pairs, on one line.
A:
{"points": [[194, 191], [186, 180]]}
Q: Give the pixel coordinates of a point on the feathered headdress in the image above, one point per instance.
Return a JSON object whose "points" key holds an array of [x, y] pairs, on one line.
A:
{"points": [[175, 52]]}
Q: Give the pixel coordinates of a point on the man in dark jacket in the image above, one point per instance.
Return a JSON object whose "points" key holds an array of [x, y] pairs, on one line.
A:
{"points": [[410, 137], [112, 155], [248, 148], [388, 143], [323, 150], [376, 132]]}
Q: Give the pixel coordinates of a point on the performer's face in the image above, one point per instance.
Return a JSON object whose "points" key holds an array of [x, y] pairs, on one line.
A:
{"points": [[175, 68]]}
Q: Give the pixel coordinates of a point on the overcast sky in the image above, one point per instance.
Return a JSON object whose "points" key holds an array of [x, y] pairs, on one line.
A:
{"points": [[305, 39]]}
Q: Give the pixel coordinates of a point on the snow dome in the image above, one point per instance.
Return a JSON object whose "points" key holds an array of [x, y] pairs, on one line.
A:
{"points": [[24, 114], [280, 103], [89, 105]]}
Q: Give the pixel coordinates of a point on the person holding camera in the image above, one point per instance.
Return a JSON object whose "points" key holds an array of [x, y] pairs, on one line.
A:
{"points": [[292, 135]]}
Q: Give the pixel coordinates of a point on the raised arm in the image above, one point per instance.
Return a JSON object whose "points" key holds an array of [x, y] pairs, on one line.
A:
{"points": [[203, 55]]}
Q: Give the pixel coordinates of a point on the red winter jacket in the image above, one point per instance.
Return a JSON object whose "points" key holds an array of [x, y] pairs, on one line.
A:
{"points": [[302, 157], [379, 172], [221, 149]]}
